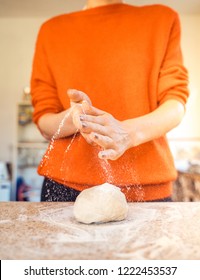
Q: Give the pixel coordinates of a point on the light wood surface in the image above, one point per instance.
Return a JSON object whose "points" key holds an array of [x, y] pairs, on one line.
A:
{"points": [[30, 230]]}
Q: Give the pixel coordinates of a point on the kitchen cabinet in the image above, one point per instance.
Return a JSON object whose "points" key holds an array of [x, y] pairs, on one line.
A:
{"points": [[28, 150]]}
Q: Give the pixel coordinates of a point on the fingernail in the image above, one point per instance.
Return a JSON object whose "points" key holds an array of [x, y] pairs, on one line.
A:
{"points": [[84, 125], [81, 118]]}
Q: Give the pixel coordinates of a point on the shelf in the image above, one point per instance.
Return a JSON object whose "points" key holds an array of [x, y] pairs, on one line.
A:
{"points": [[32, 145], [24, 166], [29, 148], [25, 103]]}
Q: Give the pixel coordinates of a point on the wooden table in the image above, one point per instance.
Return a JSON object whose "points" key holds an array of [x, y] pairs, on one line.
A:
{"points": [[30, 230]]}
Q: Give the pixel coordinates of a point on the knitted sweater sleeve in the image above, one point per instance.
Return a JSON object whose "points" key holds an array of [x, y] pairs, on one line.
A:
{"points": [[173, 76], [43, 86]]}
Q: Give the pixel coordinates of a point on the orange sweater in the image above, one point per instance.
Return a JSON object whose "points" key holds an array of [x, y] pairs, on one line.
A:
{"points": [[128, 60]]}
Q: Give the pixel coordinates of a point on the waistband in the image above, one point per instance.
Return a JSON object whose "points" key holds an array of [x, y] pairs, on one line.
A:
{"points": [[137, 193]]}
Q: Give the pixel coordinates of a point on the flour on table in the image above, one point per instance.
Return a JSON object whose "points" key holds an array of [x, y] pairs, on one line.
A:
{"points": [[100, 204]]}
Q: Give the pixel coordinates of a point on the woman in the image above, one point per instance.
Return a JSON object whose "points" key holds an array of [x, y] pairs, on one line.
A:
{"points": [[108, 83]]}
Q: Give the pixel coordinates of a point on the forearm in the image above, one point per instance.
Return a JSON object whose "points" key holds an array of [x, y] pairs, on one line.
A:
{"points": [[58, 125], [64, 124], [155, 124]]}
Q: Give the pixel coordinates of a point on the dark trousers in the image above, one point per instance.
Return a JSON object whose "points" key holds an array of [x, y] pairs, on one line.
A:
{"points": [[53, 191]]}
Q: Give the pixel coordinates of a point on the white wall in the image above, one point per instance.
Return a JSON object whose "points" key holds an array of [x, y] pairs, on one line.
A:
{"points": [[17, 43], [18, 37]]}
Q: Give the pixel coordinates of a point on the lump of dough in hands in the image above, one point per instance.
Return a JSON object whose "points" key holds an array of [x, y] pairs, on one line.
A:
{"points": [[100, 204]]}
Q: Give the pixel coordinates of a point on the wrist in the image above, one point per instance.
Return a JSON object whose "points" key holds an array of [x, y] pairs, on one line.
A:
{"points": [[135, 132]]}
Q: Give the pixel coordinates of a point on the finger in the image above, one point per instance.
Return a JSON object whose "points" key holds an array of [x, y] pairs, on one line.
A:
{"points": [[103, 141], [88, 139], [76, 112], [93, 119], [77, 96], [91, 110], [93, 127], [108, 154], [76, 121]]}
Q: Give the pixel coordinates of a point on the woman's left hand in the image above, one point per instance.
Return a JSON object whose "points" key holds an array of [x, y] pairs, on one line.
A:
{"points": [[104, 130]]}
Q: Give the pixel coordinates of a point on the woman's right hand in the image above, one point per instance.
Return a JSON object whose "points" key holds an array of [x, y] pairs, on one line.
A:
{"points": [[77, 98]]}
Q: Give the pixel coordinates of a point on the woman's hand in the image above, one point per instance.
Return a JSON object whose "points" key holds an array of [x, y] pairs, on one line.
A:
{"points": [[116, 137], [77, 99], [104, 130]]}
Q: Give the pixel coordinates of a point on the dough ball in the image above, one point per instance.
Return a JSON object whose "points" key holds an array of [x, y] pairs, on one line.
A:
{"points": [[100, 204]]}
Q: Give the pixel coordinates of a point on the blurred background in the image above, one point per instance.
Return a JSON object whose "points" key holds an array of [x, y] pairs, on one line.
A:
{"points": [[21, 146]]}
